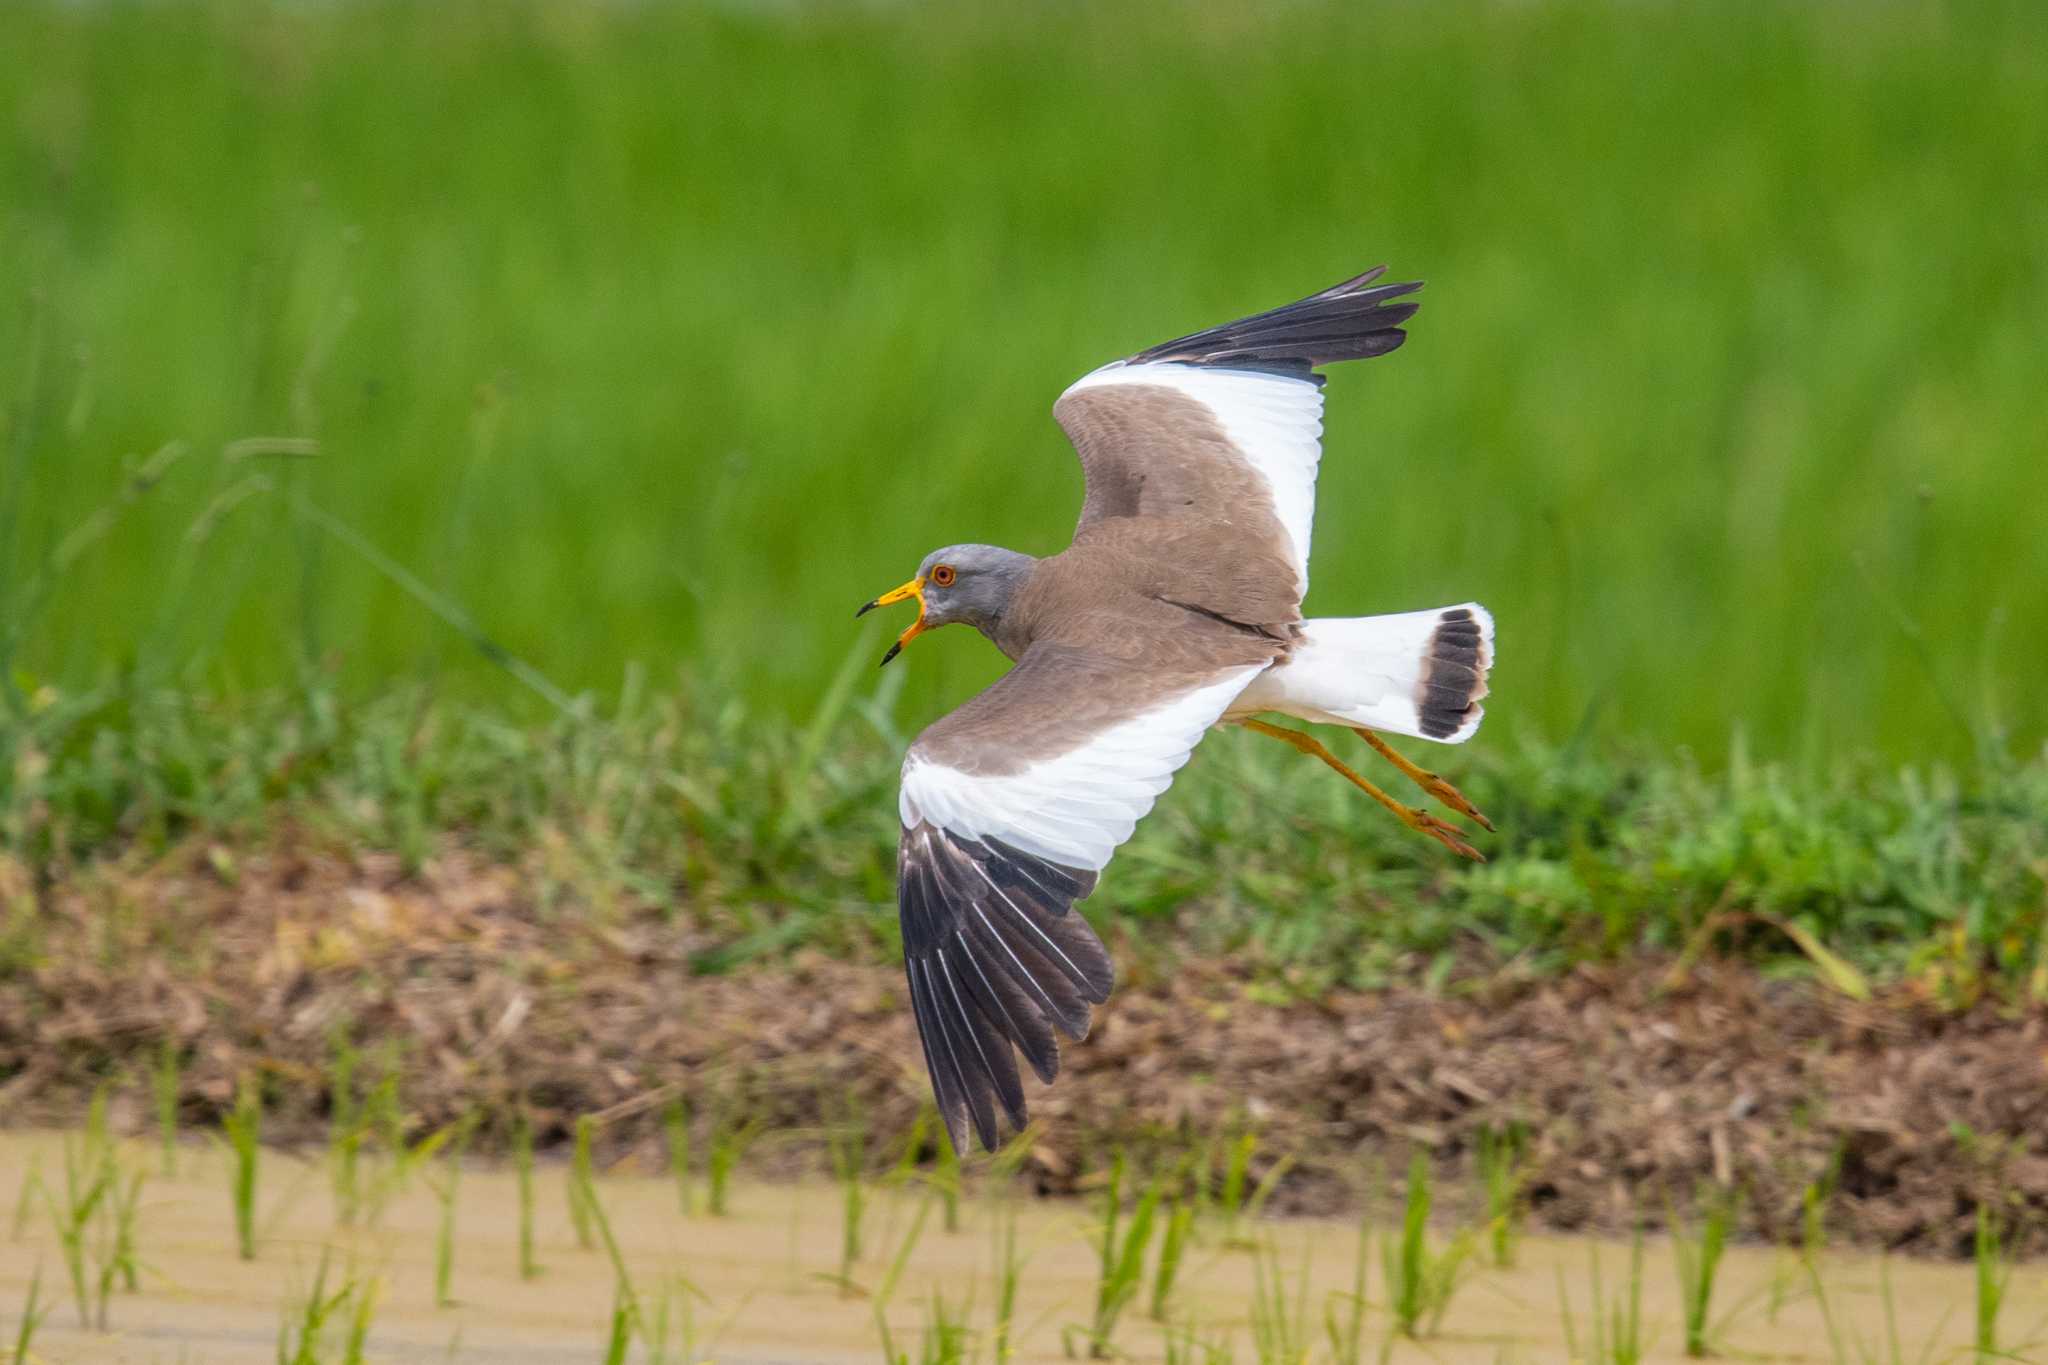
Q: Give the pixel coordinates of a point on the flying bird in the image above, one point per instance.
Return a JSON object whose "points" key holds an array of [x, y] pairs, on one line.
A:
{"points": [[1176, 608]]}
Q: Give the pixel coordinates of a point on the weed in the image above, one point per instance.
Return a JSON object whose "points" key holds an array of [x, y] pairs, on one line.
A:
{"points": [[730, 1139], [1009, 1272], [303, 1330], [344, 1130]]}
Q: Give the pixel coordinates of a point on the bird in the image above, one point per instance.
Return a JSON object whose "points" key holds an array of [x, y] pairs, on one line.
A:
{"points": [[1175, 609]]}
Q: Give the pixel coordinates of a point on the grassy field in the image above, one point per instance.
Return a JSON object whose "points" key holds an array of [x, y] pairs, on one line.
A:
{"points": [[662, 338]]}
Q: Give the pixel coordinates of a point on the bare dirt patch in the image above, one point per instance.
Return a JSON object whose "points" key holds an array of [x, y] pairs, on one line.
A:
{"points": [[1636, 1087]]}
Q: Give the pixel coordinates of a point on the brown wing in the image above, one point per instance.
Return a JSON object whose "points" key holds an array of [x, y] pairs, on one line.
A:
{"points": [[1223, 428]]}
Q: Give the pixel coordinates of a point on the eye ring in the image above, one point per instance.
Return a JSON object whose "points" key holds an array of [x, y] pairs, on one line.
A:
{"points": [[942, 575]]}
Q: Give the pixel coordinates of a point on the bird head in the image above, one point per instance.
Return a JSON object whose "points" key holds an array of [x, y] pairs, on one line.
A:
{"points": [[970, 583]]}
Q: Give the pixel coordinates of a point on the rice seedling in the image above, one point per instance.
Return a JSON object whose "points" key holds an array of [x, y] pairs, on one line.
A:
{"points": [[1185, 1345], [522, 1165], [848, 1147], [345, 1131], [600, 1222], [619, 1331], [1280, 1331], [306, 1322], [892, 1277], [31, 1184], [1009, 1271], [729, 1142], [1239, 1207], [1614, 1331], [1994, 1274], [1698, 1259], [675, 1122], [89, 1177], [244, 1125], [167, 1083], [946, 1179], [582, 1183], [445, 1189], [33, 1311], [1891, 1351], [1121, 1269], [1345, 1329], [947, 1339], [1173, 1243], [1420, 1280], [1500, 1155]]}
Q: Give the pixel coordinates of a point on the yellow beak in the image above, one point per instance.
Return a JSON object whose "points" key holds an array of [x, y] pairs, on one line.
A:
{"points": [[914, 588]]}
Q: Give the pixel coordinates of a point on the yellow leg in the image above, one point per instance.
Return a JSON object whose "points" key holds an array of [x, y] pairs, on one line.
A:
{"points": [[1422, 822], [1428, 781]]}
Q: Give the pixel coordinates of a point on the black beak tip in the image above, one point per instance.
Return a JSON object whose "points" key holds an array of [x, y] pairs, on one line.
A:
{"points": [[894, 650], [872, 604]]}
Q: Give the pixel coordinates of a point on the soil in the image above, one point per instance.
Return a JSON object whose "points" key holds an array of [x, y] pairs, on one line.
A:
{"points": [[1637, 1085]]}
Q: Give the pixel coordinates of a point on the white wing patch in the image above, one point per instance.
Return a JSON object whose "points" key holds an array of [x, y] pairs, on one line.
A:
{"points": [[1276, 421], [1076, 808]]}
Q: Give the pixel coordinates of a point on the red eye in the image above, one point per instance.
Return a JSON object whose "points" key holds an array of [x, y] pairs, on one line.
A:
{"points": [[943, 575]]}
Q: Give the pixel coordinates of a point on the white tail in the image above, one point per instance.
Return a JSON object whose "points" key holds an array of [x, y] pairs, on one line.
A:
{"points": [[1417, 673]]}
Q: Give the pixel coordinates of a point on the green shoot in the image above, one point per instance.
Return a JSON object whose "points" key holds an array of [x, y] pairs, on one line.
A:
{"points": [[301, 1333], [522, 1164], [848, 1148], [32, 1314], [1994, 1272], [1419, 1280], [729, 1142], [244, 1126], [947, 1180], [445, 1190], [31, 1182], [1499, 1155], [344, 1131], [675, 1119], [1346, 1332], [1121, 1258], [1280, 1334], [1009, 1273], [619, 1339], [1615, 1335], [167, 1084], [1173, 1243], [894, 1275], [582, 1180], [1699, 1261]]}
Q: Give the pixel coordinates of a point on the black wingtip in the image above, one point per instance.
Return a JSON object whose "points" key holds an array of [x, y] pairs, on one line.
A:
{"points": [[996, 959], [1354, 320]]}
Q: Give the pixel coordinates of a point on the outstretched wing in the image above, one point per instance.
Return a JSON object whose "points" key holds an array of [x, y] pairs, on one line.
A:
{"points": [[1011, 805], [1226, 425]]}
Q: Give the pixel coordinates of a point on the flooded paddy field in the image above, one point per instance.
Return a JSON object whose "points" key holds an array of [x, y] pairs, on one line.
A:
{"points": [[764, 1283]]}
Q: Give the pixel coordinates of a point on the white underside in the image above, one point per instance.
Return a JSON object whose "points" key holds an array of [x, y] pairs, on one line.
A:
{"points": [[1360, 671], [1075, 808]]}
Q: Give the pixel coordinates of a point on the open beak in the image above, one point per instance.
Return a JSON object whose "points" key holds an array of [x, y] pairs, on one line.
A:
{"points": [[914, 588]]}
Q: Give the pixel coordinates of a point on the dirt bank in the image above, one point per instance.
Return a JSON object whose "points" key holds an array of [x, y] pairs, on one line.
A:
{"points": [[1635, 1087]]}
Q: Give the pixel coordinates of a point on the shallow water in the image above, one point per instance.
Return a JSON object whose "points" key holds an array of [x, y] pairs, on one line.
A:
{"points": [[764, 1294]]}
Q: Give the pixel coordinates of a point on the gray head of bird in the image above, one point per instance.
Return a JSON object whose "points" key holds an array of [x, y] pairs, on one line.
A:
{"points": [[969, 583]]}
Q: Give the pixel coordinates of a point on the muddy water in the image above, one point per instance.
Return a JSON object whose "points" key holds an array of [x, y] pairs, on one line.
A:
{"points": [[764, 1293]]}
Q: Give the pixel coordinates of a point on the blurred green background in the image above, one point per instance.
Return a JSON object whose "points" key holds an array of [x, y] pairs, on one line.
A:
{"points": [[670, 335]]}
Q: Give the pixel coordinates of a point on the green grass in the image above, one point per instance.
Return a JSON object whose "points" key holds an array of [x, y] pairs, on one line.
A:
{"points": [[522, 1165], [1122, 1243], [1420, 1278], [1613, 1334], [667, 334], [1697, 1259]]}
